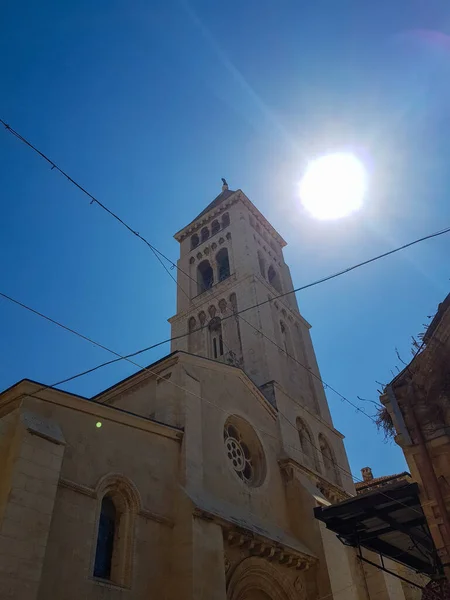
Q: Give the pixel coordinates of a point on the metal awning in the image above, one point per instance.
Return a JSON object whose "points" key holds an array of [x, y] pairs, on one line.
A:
{"points": [[388, 521]]}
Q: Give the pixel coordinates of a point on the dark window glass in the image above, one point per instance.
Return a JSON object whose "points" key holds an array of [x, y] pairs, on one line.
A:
{"points": [[105, 539], [194, 241], [223, 264], [205, 276], [205, 234]]}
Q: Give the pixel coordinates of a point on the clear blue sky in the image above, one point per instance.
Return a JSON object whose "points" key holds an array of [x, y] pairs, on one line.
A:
{"points": [[149, 104]]}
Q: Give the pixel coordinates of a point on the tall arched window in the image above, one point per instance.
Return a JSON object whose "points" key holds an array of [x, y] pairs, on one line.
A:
{"points": [[107, 527], [262, 264], [329, 460], [223, 264], [215, 227], [274, 279], [225, 220], [287, 342], [306, 444], [205, 276], [215, 330], [204, 234], [119, 502], [194, 241]]}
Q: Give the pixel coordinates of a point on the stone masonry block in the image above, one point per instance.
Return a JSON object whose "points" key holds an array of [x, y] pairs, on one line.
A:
{"points": [[38, 471], [42, 504]]}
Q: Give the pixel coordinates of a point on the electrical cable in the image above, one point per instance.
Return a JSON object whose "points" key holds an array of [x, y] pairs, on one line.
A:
{"points": [[157, 252], [149, 370]]}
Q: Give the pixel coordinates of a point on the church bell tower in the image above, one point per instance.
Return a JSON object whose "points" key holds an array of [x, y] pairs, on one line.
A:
{"points": [[231, 259]]}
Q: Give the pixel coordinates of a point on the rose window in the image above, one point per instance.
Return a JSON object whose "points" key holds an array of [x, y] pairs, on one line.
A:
{"points": [[244, 451]]}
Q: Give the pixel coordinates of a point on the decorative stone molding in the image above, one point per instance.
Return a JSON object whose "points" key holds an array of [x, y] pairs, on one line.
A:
{"points": [[92, 493], [77, 487], [210, 216], [262, 547], [255, 575], [332, 492]]}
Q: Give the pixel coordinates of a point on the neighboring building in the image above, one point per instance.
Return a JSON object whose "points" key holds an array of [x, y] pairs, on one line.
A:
{"points": [[197, 477], [370, 483], [417, 411]]}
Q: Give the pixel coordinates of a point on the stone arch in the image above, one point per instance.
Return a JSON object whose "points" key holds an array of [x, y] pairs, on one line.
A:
{"points": [[306, 443], [223, 264], [225, 220], [274, 279], [215, 227], [223, 305], [204, 234], [116, 483], [331, 468], [194, 241], [192, 324], [121, 498], [205, 276], [256, 579], [216, 338]]}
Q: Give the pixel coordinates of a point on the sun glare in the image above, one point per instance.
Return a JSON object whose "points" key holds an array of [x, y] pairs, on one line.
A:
{"points": [[333, 186]]}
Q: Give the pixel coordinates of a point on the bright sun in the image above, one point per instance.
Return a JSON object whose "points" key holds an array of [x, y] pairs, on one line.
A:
{"points": [[333, 186]]}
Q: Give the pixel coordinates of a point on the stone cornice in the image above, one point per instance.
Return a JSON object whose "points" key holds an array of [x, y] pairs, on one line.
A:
{"points": [[216, 210], [215, 365], [332, 492], [100, 411], [207, 217], [137, 380], [91, 493], [259, 545]]}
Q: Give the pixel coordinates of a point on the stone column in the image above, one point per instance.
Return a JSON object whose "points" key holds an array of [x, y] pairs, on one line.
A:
{"points": [[31, 455]]}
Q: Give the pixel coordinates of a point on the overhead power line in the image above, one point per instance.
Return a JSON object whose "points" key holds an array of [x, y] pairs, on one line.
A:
{"points": [[174, 265], [170, 381], [159, 254]]}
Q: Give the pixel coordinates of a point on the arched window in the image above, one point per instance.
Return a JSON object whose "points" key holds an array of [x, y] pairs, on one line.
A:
{"points": [[274, 279], [194, 241], [215, 227], [225, 220], [286, 338], [306, 444], [329, 461], [205, 276], [262, 264], [107, 527], [215, 330], [120, 502], [223, 264], [233, 302], [204, 234]]}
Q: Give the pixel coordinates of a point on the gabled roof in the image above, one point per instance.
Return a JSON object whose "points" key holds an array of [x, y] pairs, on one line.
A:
{"points": [[217, 200], [224, 197]]}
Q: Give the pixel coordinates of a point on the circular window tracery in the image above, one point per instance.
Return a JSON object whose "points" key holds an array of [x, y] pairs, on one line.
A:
{"points": [[244, 451]]}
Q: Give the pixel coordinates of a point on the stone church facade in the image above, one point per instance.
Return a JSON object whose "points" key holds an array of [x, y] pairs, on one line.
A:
{"points": [[195, 478]]}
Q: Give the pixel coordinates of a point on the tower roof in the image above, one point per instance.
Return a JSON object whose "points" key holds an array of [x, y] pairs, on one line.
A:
{"points": [[217, 200], [226, 197]]}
